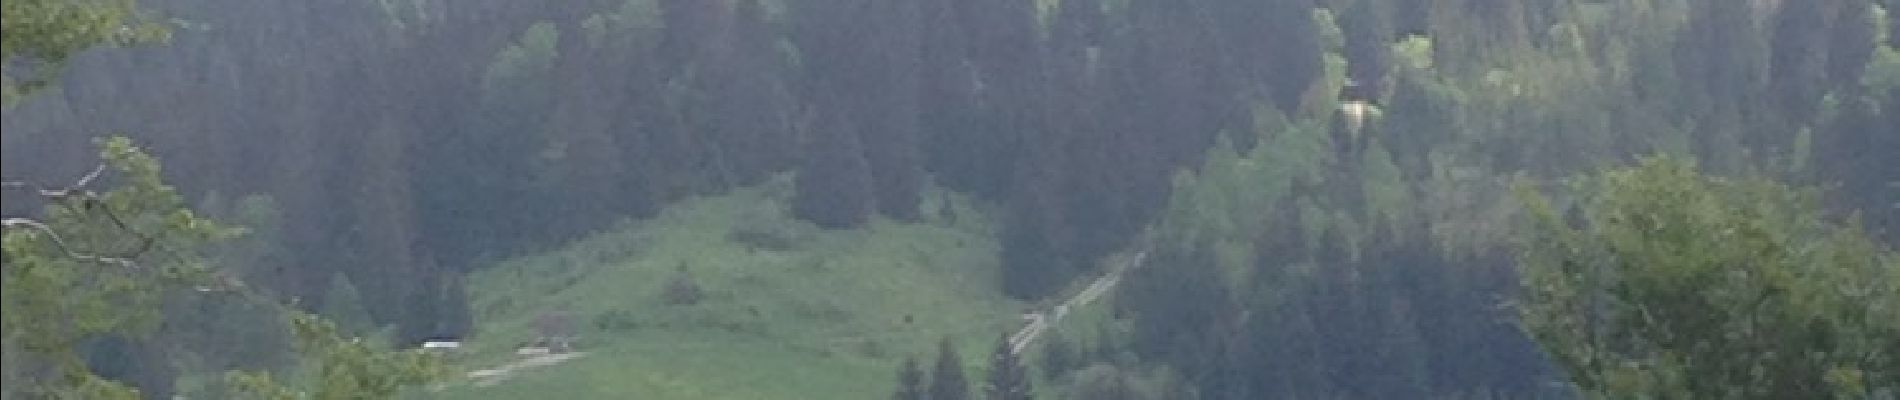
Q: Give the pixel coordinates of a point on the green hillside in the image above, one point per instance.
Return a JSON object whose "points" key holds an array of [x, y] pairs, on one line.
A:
{"points": [[786, 310]]}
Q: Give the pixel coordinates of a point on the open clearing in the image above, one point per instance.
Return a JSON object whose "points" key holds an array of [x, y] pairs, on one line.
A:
{"points": [[783, 309]]}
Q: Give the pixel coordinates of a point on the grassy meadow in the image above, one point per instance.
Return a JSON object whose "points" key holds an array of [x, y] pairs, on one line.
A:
{"points": [[729, 297]]}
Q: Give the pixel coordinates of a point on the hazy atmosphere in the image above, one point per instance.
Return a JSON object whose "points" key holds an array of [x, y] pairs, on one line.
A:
{"points": [[950, 199]]}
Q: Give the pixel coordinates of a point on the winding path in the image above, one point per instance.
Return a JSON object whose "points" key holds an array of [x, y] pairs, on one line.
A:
{"points": [[1041, 320], [492, 376], [1038, 322]]}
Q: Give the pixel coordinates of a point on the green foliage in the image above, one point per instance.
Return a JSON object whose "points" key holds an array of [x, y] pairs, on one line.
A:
{"points": [[343, 304], [1400, 230], [343, 369], [1059, 355], [101, 262], [1414, 52], [98, 264], [1672, 284], [38, 36], [1883, 72], [681, 289], [910, 381], [946, 379], [1331, 38], [1008, 379], [511, 130], [499, 160], [518, 67], [262, 221], [829, 316], [408, 14], [635, 23], [1103, 382], [1388, 198], [1883, 25], [1229, 200]]}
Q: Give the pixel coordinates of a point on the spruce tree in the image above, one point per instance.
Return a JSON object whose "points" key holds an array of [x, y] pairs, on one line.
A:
{"points": [[833, 181], [1058, 355], [910, 381], [1008, 380], [947, 381]]}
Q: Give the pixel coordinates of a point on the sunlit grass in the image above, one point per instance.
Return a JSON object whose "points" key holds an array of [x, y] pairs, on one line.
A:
{"points": [[808, 314]]}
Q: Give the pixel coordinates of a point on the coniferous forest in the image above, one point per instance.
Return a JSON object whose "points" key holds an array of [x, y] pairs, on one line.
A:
{"points": [[1370, 199]]}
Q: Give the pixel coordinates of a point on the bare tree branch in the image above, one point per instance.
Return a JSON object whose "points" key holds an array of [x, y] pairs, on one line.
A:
{"points": [[81, 200], [77, 198], [87, 180], [92, 203], [60, 243], [87, 201], [221, 281], [24, 185], [77, 186]]}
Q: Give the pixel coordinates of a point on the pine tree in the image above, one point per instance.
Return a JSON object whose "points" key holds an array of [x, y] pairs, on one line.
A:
{"points": [[1058, 355], [833, 181], [83, 261], [1008, 379], [888, 107], [947, 381], [910, 381]]}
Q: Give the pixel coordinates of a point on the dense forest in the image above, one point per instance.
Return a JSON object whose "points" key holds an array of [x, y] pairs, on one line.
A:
{"points": [[1333, 192]]}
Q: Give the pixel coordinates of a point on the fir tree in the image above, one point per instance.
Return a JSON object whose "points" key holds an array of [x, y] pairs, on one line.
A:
{"points": [[1058, 355], [910, 381], [947, 381], [833, 181], [1008, 379]]}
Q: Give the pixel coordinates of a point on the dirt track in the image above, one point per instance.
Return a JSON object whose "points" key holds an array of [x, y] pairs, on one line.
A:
{"points": [[1041, 320], [491, 376]]}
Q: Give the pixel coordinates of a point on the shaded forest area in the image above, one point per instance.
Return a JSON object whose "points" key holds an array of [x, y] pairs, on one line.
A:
{"points": [[405, 141], [1313, 259], [389, 146]]}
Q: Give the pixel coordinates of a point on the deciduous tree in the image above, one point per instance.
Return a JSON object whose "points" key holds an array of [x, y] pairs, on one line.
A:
{"points": [[1681, 285]]}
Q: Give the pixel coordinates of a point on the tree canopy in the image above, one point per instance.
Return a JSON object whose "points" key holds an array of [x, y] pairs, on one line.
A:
{"points": [[109, 253], [1664, 282]]}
